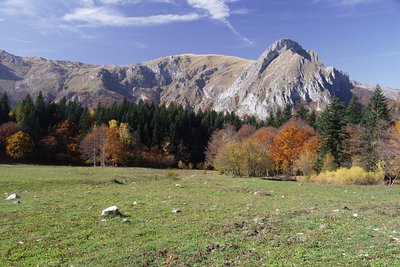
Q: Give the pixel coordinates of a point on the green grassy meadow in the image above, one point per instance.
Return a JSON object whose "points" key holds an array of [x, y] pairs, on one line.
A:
{"points": [[223, 221]]}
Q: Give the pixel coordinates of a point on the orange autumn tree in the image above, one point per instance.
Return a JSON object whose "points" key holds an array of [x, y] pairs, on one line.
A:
{"points": [[93, 144], [113, 148], [292, 140], [264, 137]]}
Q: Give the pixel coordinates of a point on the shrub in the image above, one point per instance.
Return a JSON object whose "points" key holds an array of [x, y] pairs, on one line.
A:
{"points": [[306, 162], [171, 174], [353, 176], [181, 165]]}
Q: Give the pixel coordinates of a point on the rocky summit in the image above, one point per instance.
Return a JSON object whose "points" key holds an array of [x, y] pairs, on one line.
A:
{"points": [[285, 74]]}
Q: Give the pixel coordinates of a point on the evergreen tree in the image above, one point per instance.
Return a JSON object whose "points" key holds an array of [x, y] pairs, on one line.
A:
{"points": [[377, 110], [332, 129], [287, 114], [312, 119], [278, 117], [376, 119], [354, 112], [4, 109], [27, 117], [271, 121], [302, 112], [85, 123]]}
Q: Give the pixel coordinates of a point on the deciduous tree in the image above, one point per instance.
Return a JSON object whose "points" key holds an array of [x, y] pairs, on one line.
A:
{"points": [[289, 144], [20, 145], [92, 145]]}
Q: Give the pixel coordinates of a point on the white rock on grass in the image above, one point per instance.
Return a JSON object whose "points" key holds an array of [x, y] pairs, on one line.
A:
{"points": [[13, 196], [111, 211], [175, 210]]}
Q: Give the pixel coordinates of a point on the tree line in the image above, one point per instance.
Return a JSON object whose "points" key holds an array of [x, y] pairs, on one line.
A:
{"points": [[341, 137], [127, 134]]}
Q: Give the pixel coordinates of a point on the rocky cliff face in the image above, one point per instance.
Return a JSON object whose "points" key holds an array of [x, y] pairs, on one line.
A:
{"points": [[285, 74]]}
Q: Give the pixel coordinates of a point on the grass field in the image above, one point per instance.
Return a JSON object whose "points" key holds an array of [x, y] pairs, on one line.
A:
{"points": [[223, 221]]}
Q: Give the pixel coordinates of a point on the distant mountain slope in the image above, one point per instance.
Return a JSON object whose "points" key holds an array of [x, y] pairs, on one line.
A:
{"points": [[285, 74]]}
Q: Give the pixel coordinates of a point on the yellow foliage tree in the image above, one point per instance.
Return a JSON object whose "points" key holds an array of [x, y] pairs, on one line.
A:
{"points": [[113, 148], [20, 145], [113, 124]]}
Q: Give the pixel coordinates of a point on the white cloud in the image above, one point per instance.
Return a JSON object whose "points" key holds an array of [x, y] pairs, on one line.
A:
{"points": [[124, 2], [217, 9], [2, 19], [102, 16], [220, 11]]}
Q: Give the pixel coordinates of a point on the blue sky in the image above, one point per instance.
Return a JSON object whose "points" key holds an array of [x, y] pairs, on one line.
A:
{"points": [[361, 37]]}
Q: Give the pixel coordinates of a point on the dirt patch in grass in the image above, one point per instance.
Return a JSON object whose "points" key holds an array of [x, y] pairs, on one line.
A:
{"points": [[390, 210], [303, 212], [260, 192]]}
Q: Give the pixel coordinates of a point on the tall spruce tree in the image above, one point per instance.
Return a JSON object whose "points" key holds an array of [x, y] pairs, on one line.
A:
{"points": [[287, 114], [332, 129], [354, 112], [312, 119], [302, 112], [27, 117], [4, 109], [376, 119], [377, 110]]}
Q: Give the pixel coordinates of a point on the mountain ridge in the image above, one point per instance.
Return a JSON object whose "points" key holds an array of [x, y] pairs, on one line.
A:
{"points": [[285, 74]]}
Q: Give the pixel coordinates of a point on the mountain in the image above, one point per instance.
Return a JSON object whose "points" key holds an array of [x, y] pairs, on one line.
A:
{"points": [[285, 74]]}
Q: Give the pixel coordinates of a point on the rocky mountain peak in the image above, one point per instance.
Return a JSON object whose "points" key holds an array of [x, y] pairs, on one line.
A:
{"points": [[283, 45], [285, 74]]}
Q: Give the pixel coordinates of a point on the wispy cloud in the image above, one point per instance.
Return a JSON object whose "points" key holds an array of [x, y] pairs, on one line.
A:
{"points": [[219, 11], [16, 40], [18, 7], [76, 15], [344, 2], [102, 16], [2, 19]]}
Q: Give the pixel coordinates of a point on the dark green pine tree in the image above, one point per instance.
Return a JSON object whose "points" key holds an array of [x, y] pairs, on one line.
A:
{"points": [[377, 110], [312, 119], [375, 120], [354, 112], [287, 114], [4, 109], [84, 122], [278, 117], [332, 130], [271, 121], [302, 112], [27, 117], [41, 112]]}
